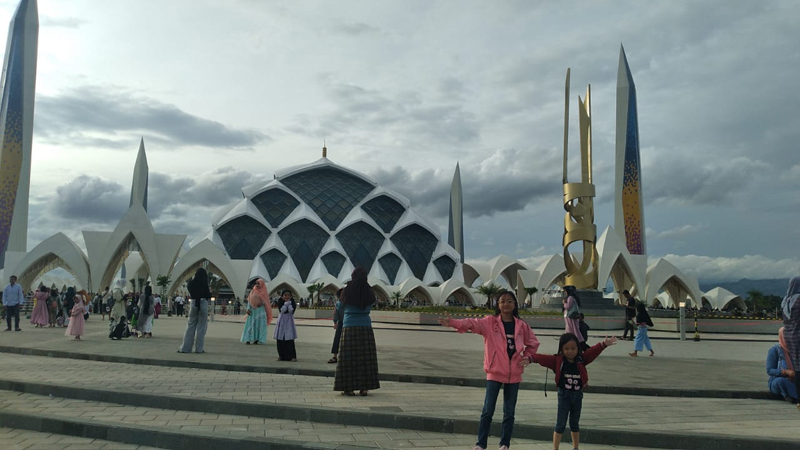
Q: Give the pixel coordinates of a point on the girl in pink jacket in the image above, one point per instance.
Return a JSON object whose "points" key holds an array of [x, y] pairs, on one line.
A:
{"points": [[509, 346]]}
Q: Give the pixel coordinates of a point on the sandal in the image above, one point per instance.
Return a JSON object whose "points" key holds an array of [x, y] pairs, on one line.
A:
{"points": [[362, 393], [333, 360], [349, 393]]}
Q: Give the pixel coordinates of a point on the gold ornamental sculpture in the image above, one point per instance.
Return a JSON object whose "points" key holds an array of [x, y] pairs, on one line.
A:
{"points": [[579, 224]]}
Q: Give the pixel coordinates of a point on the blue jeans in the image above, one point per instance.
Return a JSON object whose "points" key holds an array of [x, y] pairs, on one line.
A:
{"points": [[510, 392], [198, 323], [642, 340], [569, 405]]}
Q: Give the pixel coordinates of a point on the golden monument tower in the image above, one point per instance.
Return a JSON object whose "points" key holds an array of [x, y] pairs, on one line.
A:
{"points": [[578, 201]]}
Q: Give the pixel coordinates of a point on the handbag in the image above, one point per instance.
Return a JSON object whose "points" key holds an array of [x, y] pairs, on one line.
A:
{"points": [[574, 311]]}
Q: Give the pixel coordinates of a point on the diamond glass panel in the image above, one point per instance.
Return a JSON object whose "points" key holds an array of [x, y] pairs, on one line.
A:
{"points": [[273, 261], [331, 193], [333, 262], [243, 237], [304, 240], [385, 211], [416, 245], [275, 205], [445, 266], [362, 243], [391, 265]]}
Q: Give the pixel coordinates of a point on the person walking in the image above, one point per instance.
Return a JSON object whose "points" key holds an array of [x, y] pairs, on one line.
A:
{"points": [[357, 369], [144, 325], [12, 300], [118, 301], [572, 305], [40, 316], [505, 336], [52, 308], [791, 325], [157, 303], [630, 313], [179, 301], [569, 366], [66, 305], [285, 331], [259, 314], [642, 339], [195, 334], [338, 319], [77, 322]]}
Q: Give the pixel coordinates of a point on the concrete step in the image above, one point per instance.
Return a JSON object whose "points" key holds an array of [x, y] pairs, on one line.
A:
{"points": [[20, 439], [191, 430]]}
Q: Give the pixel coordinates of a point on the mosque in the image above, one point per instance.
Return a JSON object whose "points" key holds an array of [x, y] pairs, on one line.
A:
{"points": [[312, 224]]}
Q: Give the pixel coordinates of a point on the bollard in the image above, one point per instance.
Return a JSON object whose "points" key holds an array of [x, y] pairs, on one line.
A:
{"points": [[683, 321], [696, 333], [213, 308]]}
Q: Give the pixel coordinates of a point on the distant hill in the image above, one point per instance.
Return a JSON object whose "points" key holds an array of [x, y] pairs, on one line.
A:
{"points": [[768, 287]]}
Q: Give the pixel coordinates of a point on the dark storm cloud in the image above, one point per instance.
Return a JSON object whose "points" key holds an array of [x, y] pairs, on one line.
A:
{"points": [[505, 181], [110, 116], [90, 199]]}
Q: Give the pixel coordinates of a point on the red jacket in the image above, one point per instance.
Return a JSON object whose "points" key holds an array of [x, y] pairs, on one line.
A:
{"points": [[495, 356], [555, 362]]}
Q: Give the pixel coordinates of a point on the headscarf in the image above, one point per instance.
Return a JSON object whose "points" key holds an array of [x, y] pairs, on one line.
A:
{"points": [[642, 316], [69, 298], [358, 291], [785, 349], [148, 300], [572, 292], [259, 296], [791, 296]]}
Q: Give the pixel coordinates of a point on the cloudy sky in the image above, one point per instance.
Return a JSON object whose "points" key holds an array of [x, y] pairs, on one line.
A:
{"points": [[226, 93]]}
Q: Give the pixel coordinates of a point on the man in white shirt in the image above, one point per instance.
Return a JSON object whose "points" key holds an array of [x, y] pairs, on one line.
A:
{"points": [[179, 305], [12, 300]]}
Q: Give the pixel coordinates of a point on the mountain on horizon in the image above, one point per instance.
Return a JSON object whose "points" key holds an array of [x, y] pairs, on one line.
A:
{"points": [[776, 286]]}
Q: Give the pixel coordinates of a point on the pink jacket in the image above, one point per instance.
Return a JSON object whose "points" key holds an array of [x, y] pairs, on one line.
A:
{"points": [[495, 356]]}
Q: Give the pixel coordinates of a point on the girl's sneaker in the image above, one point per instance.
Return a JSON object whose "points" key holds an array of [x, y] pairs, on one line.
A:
{"points": [[478, 447], [503, 447]]}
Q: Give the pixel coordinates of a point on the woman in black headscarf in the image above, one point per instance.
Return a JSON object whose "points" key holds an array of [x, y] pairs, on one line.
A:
{"points": [[357, 369], [146, 311], [198, 314]]}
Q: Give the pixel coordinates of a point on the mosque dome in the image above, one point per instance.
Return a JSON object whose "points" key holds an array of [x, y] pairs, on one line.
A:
{"points": [[323, 219]]}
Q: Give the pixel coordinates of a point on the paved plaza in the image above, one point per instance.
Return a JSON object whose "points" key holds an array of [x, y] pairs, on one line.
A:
{"points": [[708, 394]]}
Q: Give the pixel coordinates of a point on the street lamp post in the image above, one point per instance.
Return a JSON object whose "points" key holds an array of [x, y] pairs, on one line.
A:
{"points": [[213, 308]]}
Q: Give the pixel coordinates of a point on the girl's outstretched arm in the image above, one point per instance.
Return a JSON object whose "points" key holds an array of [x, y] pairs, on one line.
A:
{"points": [[593, 352], [477, 326]]}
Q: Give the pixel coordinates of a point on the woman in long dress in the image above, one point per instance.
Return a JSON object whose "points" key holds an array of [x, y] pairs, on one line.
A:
{"points": [[259, 314], [146, 312], [285, 331], [40, 315], [357, 369], [118, 297], [791, 325], [76, 321], [572, 325]]}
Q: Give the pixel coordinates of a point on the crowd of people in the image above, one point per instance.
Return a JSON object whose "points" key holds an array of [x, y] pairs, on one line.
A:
{"points": [[354, 352]]}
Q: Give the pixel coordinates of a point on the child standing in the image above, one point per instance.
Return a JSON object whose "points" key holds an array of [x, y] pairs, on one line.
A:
{"points": [[509, 346], [642, 339], [77, 321], [569, 365]]}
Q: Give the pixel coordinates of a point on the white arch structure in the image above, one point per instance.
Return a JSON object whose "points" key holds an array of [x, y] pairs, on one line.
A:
{"points": [[56, 251], [627, 272], [234, 273], [719, 298], [663, 275]]}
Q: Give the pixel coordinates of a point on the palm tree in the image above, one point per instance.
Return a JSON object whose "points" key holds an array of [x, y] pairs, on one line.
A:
{"points": [[396, 297], [162, 282], [489, 290], [315, 288], [530, 291]]}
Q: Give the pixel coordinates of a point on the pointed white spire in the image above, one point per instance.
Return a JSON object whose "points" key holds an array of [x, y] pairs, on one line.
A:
{"points": [[455, 232], [141, 172]]}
